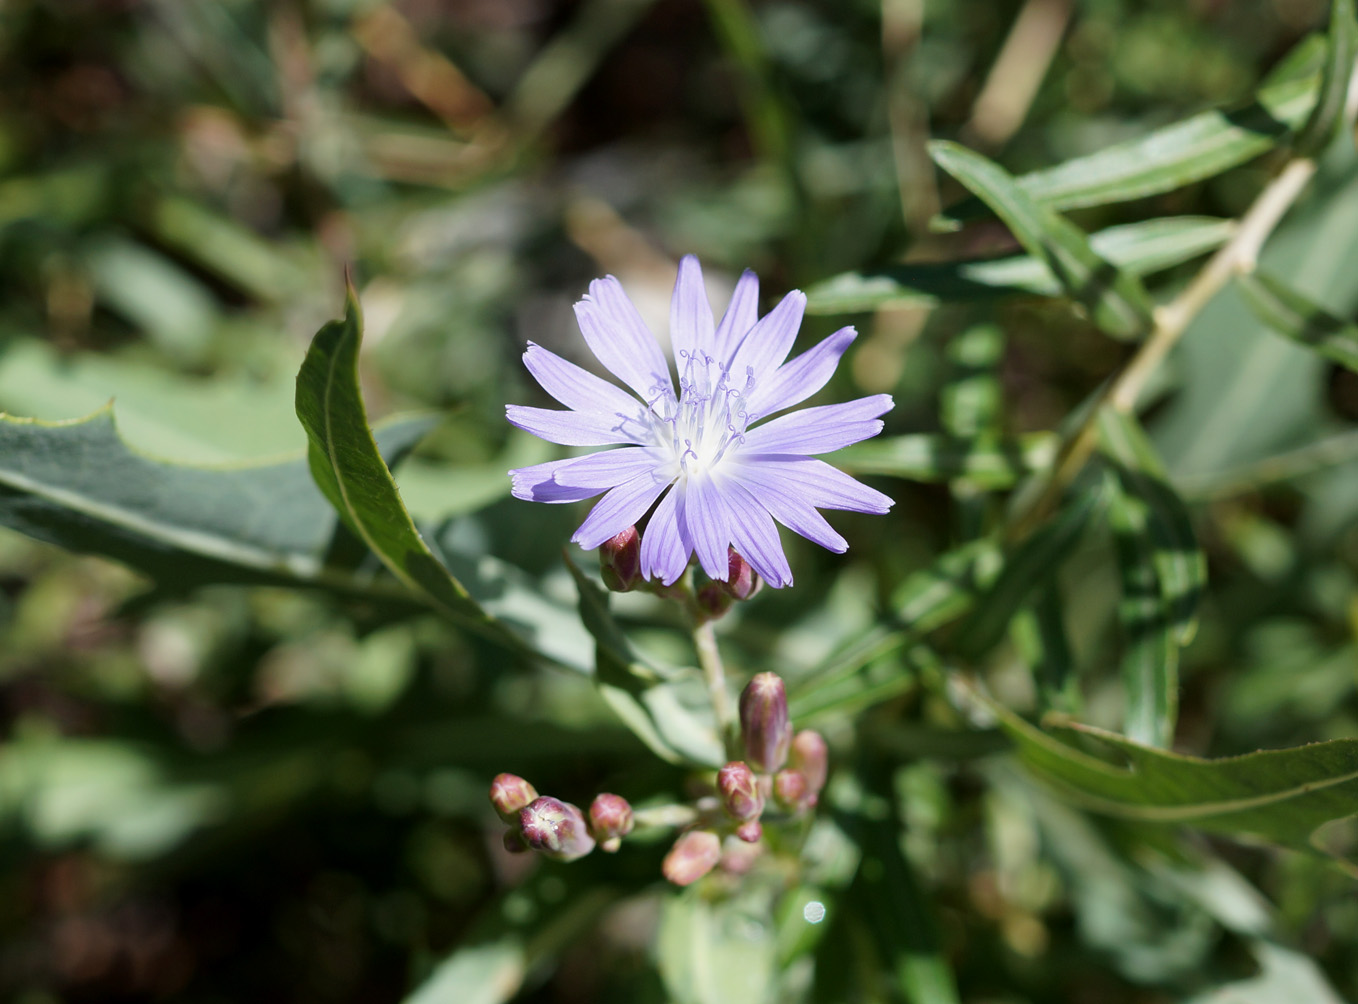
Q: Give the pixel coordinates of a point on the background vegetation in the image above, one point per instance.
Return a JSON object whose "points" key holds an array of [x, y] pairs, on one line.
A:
{"points": [[243, 762]]}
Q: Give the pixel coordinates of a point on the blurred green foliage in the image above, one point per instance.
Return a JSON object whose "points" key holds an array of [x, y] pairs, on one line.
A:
{"points": [[244, 762]]}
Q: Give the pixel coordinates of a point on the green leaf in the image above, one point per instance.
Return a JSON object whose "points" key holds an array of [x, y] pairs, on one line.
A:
{"points": [[1039, 636], [888, 893], [1034, 562], [1280, 795], [1295, 317], [1139, 248], [716, 952], [350, 472], [1199, 147], [78, 485], [932, 457], [1179, 563], [1341, 51], [670, 718], [1116, 300], [933, 596], [1150, 663]]}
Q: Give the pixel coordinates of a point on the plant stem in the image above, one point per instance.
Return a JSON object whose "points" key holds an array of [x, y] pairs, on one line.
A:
{"points": [[1236, 256], [665, 815], [714, 673]]}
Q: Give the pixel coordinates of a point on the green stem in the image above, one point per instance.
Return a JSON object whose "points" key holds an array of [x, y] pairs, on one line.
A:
{"points": [[714, 673]]}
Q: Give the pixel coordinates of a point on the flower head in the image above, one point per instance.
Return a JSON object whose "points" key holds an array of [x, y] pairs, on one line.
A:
{"points": [[721, 467]]}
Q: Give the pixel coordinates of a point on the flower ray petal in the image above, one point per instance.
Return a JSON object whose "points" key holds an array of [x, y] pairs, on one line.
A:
{"points": [[787, 507], [823, 486], [691, 329], [820, 430], [767, 344], [574, 386], [577, 428], [618, 510], [620, 340], [536, 484], [709, 524], [741, 315], [755, 536], [665, 548], [607, 469], [795, 381]]}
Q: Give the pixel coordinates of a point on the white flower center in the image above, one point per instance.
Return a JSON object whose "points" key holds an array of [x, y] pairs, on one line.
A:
{"points": [[709, 417]]}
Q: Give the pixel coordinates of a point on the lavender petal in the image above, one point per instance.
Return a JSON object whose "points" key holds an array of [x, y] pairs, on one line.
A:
{"points": [[767, 344], [576, 388], [618, 510], [822, 485], [691, 328], [709, 524], [786, 506], [620, 340], [795, 381], [664, 548], [607, 469], [536, 484], [741, 315], [820, 430], [577, 428], [755, 536]]}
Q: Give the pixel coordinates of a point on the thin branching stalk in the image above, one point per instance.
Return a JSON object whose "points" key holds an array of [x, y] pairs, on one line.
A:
{"points": [[1237, 256]]}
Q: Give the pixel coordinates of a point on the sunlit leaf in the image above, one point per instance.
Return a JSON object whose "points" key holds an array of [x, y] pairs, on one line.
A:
{"points": [[1295, 317], [1116, 300]]}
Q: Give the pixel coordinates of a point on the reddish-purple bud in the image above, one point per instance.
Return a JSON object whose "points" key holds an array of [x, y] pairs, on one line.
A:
{"points": [[750, 832], [556, 828], [693, 855], [739, 790], [509, 793], [620, 561], [742, 581], [764, 723], [811, 758], [714, 600], [789, 789], [610, 819], [514, 842]]}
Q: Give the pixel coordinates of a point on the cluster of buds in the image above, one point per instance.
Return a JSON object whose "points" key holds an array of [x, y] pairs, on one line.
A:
{"points": [[557, 829], [780, 779], [780, 768], [620, 568]]}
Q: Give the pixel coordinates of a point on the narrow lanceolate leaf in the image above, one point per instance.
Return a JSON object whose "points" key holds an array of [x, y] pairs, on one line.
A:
{"points": [[1150, 660], [1179, 563], [77, 484], [1139, 248], [1033, 564], [939, 594], [929, 457], [1342, 50], [349, 471], [1196, 148], [887, 892], [1294, 316], [656, 709], [1116, 300], [1280, 795]]}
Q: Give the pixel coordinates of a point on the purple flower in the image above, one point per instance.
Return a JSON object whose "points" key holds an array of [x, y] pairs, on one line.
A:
{"points": [[721, 467]]}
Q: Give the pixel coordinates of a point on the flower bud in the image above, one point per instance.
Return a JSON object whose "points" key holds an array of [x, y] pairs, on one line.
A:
{"points": [[764, 723], [620, 561], [739, 856], [789, 789], [811, 759], [714, 600], [693, 855], [610, 819], [742, 581], [514, 842], [750, 832], [509, 793], [739, 790], [556, 828]]}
